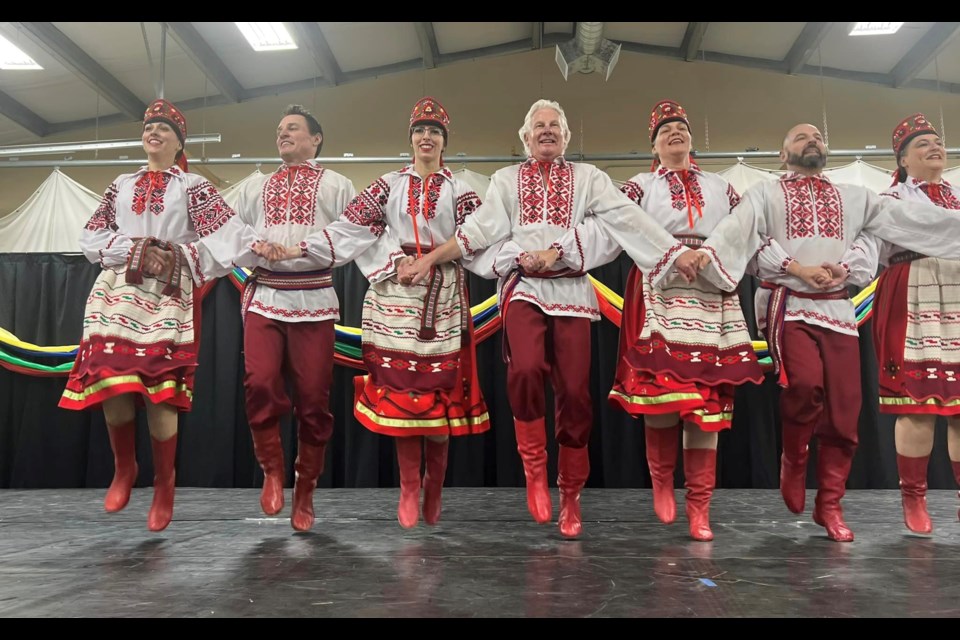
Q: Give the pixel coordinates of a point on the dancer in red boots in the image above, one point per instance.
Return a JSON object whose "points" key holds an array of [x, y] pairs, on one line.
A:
{"points": [[418, 342], [547, 311], [157, 233], [808, 238], [683, 347], [289, 312], [915, 329]]}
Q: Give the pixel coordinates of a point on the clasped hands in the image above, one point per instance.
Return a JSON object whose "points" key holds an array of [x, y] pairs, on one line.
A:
{"points": [[824, 278], [274, 251], [827, 276], [412, 270], [157, 261], [689, 263]]}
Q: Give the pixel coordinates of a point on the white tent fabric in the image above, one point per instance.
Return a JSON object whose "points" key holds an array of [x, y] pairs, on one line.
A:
{"points": [[863, 174], [478, 181], [952, 176], [742, 176], [232, 194], [51, 219]]}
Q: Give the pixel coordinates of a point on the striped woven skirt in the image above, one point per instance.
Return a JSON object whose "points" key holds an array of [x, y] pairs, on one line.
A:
{"points": [[917, 334], [419, 348], [683, 349], [136, 340]]}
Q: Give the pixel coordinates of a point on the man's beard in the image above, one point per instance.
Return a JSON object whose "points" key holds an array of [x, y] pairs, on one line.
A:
{"points": [[818, 161]]}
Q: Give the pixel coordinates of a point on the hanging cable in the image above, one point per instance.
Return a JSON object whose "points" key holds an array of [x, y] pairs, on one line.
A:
{"points": [[163, 61], [153, 70], [943, 128], [823, 101], [540, 66], [96, 129], [581, 139], [706, 111], [203, 119]]}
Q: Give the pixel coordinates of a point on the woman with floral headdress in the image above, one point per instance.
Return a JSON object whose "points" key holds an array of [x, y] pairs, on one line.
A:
{"points": [[159, 233], [684, 347], [916, 324]]}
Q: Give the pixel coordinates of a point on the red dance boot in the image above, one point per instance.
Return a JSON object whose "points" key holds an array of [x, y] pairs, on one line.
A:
{"points": [[409, 452], [833, 468], [269, 452], [700, 468], [662, 460], [164, 483], [532, 446], [793, 466], [436, 455], [574, 470], [913, 491], [309, 466], [125, 469]]}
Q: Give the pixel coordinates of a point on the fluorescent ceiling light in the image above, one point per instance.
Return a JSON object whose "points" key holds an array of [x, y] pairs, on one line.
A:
{"points": [[875, 28], [266, 36], [70, 147], [12, 58]]}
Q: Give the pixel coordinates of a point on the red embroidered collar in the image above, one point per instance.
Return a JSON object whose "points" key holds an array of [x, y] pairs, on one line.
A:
{"points": [[662, 171], [560, 160], [444, 171], [917, 182], [173, 170], [794, 175], [309, 164]]}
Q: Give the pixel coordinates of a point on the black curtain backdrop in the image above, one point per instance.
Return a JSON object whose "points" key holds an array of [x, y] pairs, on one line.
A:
{"points": [[42, 446]]}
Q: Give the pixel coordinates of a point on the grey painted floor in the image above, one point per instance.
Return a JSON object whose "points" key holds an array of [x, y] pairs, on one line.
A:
{"points": [[62, 556]]}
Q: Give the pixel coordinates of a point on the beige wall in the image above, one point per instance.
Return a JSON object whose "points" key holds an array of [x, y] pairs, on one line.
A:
{"points": [[488, 98]]}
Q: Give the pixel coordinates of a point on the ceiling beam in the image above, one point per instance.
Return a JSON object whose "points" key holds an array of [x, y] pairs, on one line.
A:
{"points": [[845, 74], [209, 62], [692, 40], [933, 85], [38, 126], [650, 49], [71, 56], [313, 40], [93, 123], [806, 43], [517, 46], [924, 52], [23, 116], [884, 79], [428, 44]]}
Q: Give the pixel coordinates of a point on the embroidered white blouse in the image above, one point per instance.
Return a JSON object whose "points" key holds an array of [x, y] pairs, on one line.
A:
{"points": [[399, 210], [812, 220], [177, 207], [286, 207], [579, 211], [915, 189]]}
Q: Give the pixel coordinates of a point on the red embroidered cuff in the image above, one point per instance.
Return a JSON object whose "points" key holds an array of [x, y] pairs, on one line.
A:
{"points": [[556, 245], [786, 263], [464, 243], [303, 249]]}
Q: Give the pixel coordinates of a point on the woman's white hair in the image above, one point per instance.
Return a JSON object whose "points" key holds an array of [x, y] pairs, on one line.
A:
{"points": [[527, 127]]}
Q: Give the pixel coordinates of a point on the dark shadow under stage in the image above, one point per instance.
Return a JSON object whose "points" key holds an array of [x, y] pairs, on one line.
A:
{"points": [[62, 556]]}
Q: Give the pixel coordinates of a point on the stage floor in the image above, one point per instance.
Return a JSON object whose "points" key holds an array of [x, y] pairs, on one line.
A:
{"points": [[62, 556]]}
